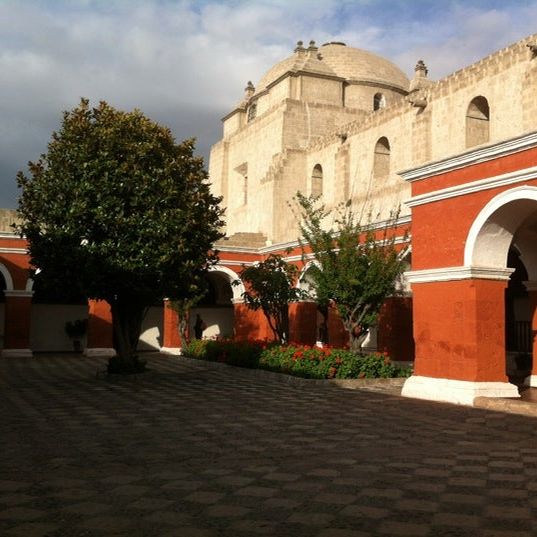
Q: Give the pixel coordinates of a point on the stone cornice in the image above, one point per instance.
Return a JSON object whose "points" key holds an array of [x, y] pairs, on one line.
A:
{"points": [[447, 274], [19, 293], [22, 251], [471, 157]]}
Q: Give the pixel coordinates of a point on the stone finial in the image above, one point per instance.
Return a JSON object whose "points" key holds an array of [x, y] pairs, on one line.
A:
{"points": [[249, 90], [299, 46], [312, 47], [418, 83], [421, 69]]}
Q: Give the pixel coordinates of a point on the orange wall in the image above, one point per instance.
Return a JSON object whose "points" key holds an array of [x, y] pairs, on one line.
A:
{"points": [[459, 330], [490, 168]]}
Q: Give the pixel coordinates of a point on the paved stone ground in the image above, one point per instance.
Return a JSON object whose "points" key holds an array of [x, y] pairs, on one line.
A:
{"points": [[193, 452]]}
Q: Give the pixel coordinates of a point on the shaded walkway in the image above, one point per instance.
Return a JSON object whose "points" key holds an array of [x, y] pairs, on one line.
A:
{"points": [[189, 451]]}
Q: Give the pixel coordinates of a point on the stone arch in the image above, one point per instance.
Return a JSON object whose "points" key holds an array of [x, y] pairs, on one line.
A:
{"points": [[477, 122], [509, 217], [231, 276], [302, 281], [317, 181], [379, 101], [381, 161], [7, 277]]}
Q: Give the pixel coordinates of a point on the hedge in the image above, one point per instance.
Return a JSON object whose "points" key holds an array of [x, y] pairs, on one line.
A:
{"points": [[298, 360]]}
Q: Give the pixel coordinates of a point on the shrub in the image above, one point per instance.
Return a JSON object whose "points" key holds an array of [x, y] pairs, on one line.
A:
{"points": [[298, 360], [238, 353]]}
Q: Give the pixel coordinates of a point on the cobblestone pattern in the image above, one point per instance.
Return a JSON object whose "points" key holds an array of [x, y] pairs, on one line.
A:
{"points": [[189, 451]]}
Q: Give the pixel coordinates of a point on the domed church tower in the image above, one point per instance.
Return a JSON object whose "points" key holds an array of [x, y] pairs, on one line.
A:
{"points": [[260, 163]]}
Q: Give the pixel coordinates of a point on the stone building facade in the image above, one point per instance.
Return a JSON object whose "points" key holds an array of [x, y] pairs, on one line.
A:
{"points": [[343, 123]]}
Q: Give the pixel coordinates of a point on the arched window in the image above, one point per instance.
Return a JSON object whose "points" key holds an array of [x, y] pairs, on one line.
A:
{"points": [[317, 181], [381, 162], [477, 122], [252, 111], [379, 101]]}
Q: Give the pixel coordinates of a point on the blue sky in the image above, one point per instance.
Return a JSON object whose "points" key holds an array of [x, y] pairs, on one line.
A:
{"points": [[185, 63]]}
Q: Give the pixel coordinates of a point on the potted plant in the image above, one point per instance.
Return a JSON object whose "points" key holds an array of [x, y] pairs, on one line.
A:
{"points": [[76, 330]]}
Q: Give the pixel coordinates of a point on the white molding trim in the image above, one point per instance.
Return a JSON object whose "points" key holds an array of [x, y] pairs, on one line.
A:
{"points": [[471, 157], [514, 194], [459, 392], [17, 353], [99, 352], [447, 274], [176, 351], [19, 293], [531, 381], [21, 251], [504, 179], [234, 263]]}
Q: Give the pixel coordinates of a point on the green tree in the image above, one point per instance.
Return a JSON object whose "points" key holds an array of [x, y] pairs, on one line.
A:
{"points": [[119, 211], [357, 266], [270, 287], [182, 306]]}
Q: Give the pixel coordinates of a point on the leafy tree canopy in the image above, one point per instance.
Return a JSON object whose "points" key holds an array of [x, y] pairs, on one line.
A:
{"points": [[119, 211], [270, 287], [357, 266]]}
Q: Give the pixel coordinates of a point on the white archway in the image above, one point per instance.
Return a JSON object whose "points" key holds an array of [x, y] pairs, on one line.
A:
{"points": [[232, 276], [302, 280], [7, 277], [494, 229]]}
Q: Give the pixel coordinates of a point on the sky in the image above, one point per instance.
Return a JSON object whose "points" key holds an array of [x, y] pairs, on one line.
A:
{"points": [[185, 63]]}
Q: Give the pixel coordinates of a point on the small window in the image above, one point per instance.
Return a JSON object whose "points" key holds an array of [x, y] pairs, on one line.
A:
{"points": [[317, 181], [381, 161], [379, 101], [252, 111], [245, 190], [477, 122]]}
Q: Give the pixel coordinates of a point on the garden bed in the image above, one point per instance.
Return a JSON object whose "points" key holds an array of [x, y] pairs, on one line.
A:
{"points": [[298, 360]]}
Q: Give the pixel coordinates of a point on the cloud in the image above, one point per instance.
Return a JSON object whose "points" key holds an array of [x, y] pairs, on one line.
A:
{"points": [[185, 63]]}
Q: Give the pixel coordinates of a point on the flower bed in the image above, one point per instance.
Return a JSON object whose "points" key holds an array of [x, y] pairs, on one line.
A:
{"points": [[297, 360]]}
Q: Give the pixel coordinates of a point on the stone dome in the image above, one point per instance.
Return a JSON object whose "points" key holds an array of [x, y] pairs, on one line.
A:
{"points": [[339, 60]]}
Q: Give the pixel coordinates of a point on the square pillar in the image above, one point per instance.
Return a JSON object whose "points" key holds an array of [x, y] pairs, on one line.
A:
{"points": [[171, 343], [532, 292], [100, 330], [303, 323], [18, 311], [459, 333]]}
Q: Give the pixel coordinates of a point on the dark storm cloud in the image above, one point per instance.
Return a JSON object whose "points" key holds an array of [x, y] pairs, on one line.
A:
{"points": [[185, 63]]}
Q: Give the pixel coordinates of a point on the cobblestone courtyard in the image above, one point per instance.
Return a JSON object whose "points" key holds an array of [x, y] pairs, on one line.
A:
{"points": [[186, 450]]}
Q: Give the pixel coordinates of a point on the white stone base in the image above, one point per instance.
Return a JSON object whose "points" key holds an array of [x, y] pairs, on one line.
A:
{"points": [[172, 350], [460, 392], [17, 353], [99, 352], [531, 381]]}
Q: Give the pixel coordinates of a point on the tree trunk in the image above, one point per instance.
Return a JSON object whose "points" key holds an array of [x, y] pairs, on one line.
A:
{"points": [[323, 327], [281, 320], [183, 329], [127, 318], [356, 336]]}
